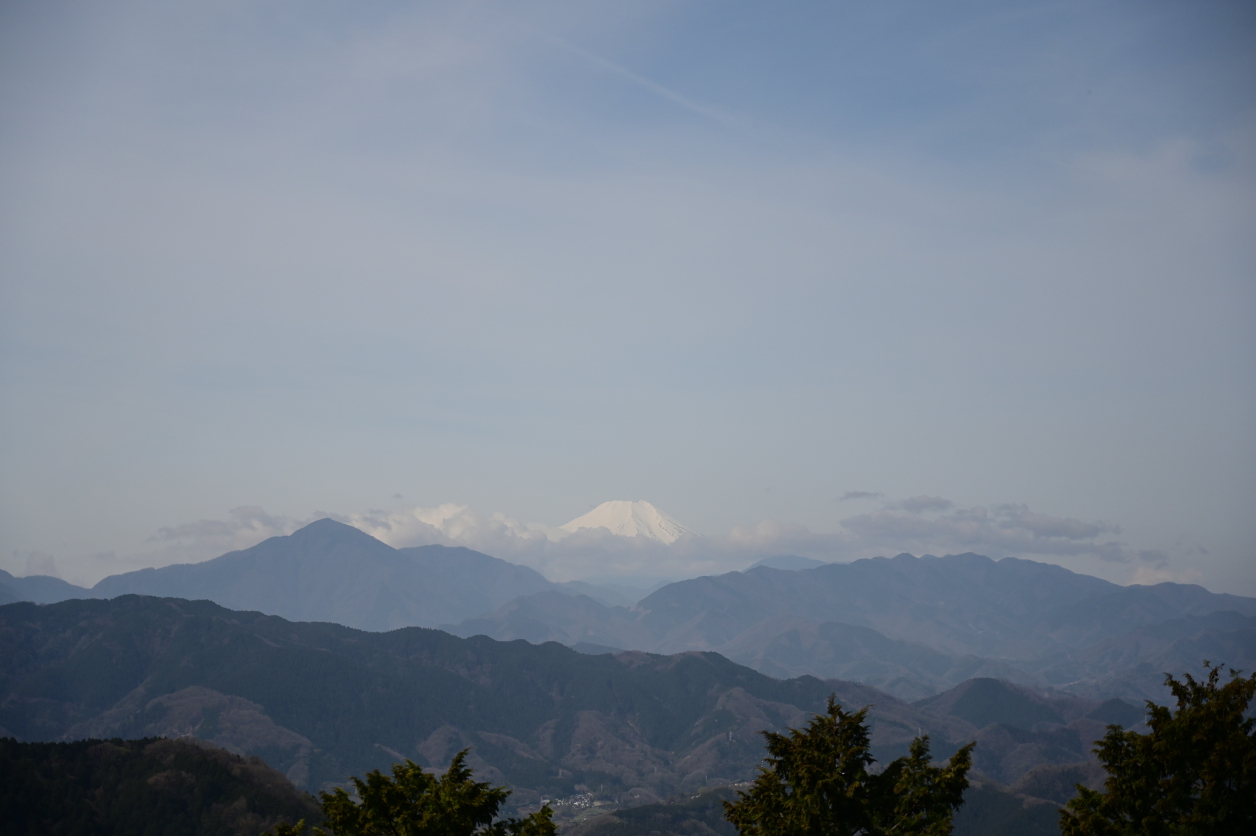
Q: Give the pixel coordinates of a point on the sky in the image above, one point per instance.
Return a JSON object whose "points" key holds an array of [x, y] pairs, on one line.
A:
{"points": [[822, 278]]}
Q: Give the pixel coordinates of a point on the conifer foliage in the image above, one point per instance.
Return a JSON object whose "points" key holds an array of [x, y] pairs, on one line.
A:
{"points": [[818, 782], [414, 803], [1194, 772]]}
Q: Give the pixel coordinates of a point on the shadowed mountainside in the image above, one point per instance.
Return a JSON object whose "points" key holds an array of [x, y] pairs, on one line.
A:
{"points": [[172, 787], [321, 701]]}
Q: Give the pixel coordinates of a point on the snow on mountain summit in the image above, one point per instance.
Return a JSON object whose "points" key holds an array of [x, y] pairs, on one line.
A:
{"points": [[630, 519]]}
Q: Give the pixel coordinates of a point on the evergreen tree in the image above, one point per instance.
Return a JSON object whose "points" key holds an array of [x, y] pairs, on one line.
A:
{"points": [[414, 803], [818, 783], [1193, 773]]}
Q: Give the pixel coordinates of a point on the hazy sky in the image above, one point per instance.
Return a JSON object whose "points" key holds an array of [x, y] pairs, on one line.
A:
{"points": [[830, 278]]}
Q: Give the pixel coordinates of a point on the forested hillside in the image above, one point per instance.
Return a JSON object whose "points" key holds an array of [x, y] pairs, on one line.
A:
{"points": [[125, 787], [321, 701]]}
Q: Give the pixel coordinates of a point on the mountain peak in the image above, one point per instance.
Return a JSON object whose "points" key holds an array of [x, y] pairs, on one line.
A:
{"points": [[327, 527], [625, 518]]}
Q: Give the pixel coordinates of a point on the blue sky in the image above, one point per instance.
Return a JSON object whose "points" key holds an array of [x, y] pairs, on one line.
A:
{"points": [[740, 260]]}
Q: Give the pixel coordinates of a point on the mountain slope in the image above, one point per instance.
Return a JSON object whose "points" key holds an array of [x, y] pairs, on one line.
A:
{"points": [[328, 571], [1132, 665], [915, 626], [172, 787], [564, 618], [965, 604], [785, 646], [321, 701]]}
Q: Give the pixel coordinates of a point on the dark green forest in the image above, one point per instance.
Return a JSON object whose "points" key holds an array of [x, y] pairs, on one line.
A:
{"points": [[147, 787]]}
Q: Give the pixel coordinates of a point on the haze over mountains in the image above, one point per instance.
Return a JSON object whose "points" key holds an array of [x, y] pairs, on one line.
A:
{"points": [[322, 701], [914, 626], [910, 626]]}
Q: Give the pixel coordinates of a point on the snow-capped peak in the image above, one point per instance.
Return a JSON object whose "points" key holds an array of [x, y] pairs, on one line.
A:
{"points": [[630, 519]]}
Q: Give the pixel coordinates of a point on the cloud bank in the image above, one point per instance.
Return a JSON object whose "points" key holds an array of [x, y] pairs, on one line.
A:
{"points": [[918, 525]]}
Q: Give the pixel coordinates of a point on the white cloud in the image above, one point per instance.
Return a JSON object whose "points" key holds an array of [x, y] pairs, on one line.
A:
{"points": [[902, 526], [190, 542], [920, 504], [450, 524], [558, 554], [998, 531], [245, 526]]}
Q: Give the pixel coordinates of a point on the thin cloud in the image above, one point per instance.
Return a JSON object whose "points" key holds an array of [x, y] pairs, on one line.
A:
{"points": [[1150, 575], [920, 504], [849, 495], [245, 526], [999, 531], [1043, 525], [641, 81], [1155, 558]]}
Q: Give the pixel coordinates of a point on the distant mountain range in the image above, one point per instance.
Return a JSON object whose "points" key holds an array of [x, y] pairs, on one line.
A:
{"points": [[914, 626], [790, 562], [328, 571], [320, 702], [910, 626], [40, 589]]}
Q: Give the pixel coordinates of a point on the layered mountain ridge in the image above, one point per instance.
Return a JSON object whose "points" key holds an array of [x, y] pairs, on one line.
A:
{"points": [[915, 626], [321, 701], [910, 626]]}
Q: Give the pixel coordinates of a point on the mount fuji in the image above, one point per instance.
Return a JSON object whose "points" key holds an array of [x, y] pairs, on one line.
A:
{"points": [[630, 519]]}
